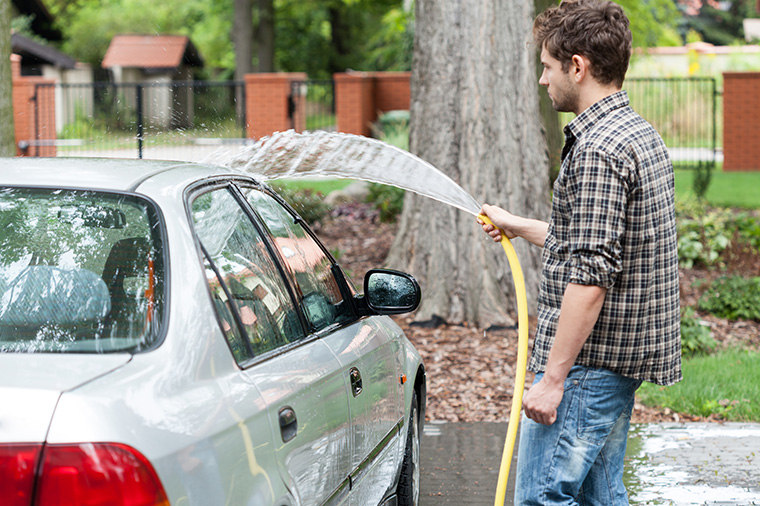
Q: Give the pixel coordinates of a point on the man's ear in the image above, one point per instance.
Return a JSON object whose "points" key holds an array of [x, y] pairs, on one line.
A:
{"points": [[579, 67]]}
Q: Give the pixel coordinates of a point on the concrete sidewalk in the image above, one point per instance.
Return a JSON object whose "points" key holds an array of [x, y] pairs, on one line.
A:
{"points": [[692, 464]]}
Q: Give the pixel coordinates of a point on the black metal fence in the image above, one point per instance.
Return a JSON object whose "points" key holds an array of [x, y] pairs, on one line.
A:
{"points": [[196, 120], [189, 120], [685, 112]]}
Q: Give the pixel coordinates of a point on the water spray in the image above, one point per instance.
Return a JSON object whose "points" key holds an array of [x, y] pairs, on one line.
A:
{"points": [[290, 155]]}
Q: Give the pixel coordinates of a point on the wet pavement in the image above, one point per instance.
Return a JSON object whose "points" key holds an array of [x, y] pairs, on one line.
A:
{"points": [[671, 464]]}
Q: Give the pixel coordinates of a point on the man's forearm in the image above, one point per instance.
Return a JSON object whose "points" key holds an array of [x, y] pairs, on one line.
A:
{"points": [[581, 306], [534, 231]]}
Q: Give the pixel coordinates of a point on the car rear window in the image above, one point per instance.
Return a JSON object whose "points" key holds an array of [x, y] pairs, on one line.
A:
{"points": [[80, 272]]}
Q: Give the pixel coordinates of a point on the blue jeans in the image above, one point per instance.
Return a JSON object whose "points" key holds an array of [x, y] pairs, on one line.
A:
{"points": [[578, 460]]}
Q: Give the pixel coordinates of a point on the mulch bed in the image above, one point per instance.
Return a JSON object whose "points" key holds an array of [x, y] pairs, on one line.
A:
{"points": [[470, 371]]}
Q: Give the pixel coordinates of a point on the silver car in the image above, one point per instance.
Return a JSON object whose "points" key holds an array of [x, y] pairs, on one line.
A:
{"points": [[173, 333]]}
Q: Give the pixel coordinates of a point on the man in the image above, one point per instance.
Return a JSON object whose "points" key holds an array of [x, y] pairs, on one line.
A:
{"points": [[608, 308]]}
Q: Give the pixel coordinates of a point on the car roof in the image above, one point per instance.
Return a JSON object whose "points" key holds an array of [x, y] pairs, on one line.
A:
{"points": [[94, 173]]}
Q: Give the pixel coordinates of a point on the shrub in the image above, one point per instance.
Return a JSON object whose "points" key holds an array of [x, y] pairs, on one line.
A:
{"points": [[702, 178], [733, 297], [309, 204], [748, 227], [393, 128], [388, 200], [696, 338], [703, 233]]}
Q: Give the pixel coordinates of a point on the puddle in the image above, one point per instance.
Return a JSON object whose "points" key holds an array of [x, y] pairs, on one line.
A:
{"points": [[693, 464]]}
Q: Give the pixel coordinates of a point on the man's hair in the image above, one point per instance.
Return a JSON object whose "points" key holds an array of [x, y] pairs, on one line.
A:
{"points": [[596, 29]]}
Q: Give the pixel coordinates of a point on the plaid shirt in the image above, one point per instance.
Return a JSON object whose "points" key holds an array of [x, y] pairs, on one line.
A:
{"points": [[613, 225]]}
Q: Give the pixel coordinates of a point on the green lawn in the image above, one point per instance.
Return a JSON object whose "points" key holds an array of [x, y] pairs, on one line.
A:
{"points": [[320, 185], [726, 383], [727, 189]]}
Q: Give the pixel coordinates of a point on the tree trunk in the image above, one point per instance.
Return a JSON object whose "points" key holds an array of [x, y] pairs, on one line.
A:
{"points": [[555, 139], [265, 36], [242, 38], [7, 133], [341, 36], [474, 116]]}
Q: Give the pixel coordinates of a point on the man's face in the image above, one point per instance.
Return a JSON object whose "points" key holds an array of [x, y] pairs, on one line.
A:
{"points": [[560, 85]]}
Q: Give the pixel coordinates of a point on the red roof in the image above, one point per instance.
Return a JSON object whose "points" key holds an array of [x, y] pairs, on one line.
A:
{"points": [[151, 52]]}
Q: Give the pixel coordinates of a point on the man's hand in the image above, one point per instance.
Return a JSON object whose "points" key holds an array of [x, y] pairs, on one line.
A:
{"points": [[542, 400], [513, 226]]}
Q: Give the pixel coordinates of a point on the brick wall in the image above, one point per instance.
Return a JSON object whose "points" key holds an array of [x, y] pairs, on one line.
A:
{"points": [[267, 103], [741, 121], [392, 91], [360, 96], [354, 102], [32, 123]]}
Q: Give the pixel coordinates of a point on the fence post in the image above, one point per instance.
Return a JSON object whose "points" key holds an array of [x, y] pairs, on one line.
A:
{"points": [[741, 121], [267, 102], [139, 98], [33, 112], [355, 102]]}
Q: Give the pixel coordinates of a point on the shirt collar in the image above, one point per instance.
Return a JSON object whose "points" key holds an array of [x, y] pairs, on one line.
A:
{"points": [[587, 118]]}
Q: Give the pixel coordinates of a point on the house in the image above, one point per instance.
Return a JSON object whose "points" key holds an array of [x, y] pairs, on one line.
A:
{"points": [[161, 67], [39, 58], [49, 73]]}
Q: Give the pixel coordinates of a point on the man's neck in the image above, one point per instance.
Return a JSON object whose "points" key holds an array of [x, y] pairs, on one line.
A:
{"points": [[593, 93]]}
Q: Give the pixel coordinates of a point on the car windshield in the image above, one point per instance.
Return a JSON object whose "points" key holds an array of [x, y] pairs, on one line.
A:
{"points": [[80, 272]]}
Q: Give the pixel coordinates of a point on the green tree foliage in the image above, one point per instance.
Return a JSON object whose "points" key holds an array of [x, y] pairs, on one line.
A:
{"points": [[322, 37], [653, 22], [319, 37], [721, 23], [89, 25]]}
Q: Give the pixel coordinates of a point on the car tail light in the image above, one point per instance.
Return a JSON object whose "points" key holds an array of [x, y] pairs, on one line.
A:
{"points": [[97, 474], [17, 464]]}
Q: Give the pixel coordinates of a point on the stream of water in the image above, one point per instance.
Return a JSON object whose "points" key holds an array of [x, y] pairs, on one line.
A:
{"points": [[328, 154]]}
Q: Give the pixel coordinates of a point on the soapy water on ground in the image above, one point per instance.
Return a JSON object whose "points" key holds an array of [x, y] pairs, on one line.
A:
{"points": [[694, 464], [329, 154]]}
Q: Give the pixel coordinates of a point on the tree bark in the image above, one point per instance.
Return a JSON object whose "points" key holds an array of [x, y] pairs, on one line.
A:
{"points": [[555, 139], [242, 38], [7, 133], [475, 117], [265, 36]]}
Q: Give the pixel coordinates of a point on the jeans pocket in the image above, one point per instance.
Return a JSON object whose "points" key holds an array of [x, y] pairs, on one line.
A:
{"points": [[604, 398]]}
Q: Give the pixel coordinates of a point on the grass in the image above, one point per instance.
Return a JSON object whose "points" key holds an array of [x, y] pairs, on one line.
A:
{"points": [[727, 189], [726, 384], [321, 185]]}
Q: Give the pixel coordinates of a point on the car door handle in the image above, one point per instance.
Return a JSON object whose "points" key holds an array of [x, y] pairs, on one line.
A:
{"points": [[356, 381], [288, 423]]}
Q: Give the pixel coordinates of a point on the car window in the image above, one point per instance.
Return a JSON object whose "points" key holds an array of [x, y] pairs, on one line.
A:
{"points": [[245, 283], [80, 271], [308, 265]]}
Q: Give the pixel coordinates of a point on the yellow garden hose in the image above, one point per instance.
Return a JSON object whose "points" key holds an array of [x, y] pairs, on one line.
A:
{"points": [[522, 364]]}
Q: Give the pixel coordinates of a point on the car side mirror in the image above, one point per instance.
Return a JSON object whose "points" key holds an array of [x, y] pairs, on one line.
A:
{"points": [[391, 292]]}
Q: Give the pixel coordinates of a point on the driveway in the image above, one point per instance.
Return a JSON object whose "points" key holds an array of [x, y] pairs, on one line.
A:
{"points": [[692, 464]]}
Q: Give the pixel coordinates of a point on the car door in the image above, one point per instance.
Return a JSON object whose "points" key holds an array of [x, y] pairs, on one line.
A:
{"points": [[365, 350], [298, 376]]}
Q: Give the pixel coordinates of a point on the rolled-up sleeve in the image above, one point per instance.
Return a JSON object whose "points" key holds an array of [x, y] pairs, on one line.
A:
{"points": [[597, 182]]}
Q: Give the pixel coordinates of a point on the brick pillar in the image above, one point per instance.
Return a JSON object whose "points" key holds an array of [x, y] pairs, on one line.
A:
{"points": [[266, 98], [741, 121], [33, 112], [355, 107], [392, 91], [16, 66]]}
